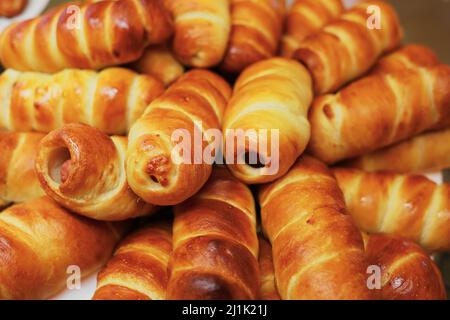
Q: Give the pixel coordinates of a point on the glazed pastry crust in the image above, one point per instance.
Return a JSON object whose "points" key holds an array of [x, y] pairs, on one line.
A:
{"points": [[346, 49], [110, 100], [202, 29], [268, 289], [215, 246], [83, 169], [408, 272], [199, 96], [159, 62], [318, 252], [28, 269], [18, 179], [138, 269], [305, 18], [256, 27], [272, 96], [405, 95], [85, 35], [428, 152], [410, 206]]}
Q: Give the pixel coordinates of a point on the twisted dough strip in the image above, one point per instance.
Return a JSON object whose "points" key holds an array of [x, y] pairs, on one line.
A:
{"points": [[153, 174], [426, 152], [110, 100], [347, 48], [138, 270], [305, 18], [202, 29], [256, 27], [88, 36], [317, 250], [39, 241], [270, 95], [380, 110], [11, 8], [268, 286], [408, 272], [18, 180], [406, 205], [159, 62], [215, 246], [84, 170]]}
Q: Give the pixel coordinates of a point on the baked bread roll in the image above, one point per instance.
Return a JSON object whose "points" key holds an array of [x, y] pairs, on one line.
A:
{"points": [[408, 272], [18, 180], [138, 269], [347, 48], [256, 27], [110, 100], [380, 110], [215, 246], [87, 36], [159, 62], [410, 206], [83, 169], [410, 56], [268, 288], [11, 8], [318, 252], [157, 169], [426, 152], [270, 98], [39, 241], [202, 29], [305, 18]]}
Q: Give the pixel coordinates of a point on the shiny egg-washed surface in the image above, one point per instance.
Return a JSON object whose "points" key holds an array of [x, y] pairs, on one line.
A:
{"points": [[428, 27]]}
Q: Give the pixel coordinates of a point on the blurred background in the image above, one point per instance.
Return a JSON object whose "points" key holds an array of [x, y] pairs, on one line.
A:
{"points": [[426, 22]]}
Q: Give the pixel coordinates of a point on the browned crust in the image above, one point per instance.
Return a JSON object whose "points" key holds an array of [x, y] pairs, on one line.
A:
{"points": [[138, 270], [28, 273], [317, 250], [129, 25], [410, 199], [408, 272], [215, 243]]}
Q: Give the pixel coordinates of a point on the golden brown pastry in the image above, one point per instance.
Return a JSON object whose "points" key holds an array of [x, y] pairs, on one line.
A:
{"points": [[318, 252], [406, 205], [157, 169], [202, 29], [18, 180], [347, 48], [270, 98], [83, 169], [268, 289], [159, 62], [39, 241], [410, 56], [88, 36], [110, 100], [11, 8], [215, 246], [408, 272], [426, 152], [380, 110], [138, 269], [306, 17], [256, 27]]}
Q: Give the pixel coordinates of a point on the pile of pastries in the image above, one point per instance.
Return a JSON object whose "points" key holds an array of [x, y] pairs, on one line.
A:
{"points": [[91, 97]]}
